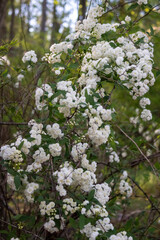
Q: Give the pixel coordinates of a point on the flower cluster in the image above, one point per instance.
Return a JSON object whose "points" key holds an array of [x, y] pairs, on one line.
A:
{"points": [[75, 177], [56, 51], [11, 153], [102, 192], [29, 191], [26, 145], [69, 206], [30, 56], [19, 79], [78, 150], [140, 2], [40, 157], [55, 149], [4, 60], [146, 115], [35, 132], [54, 131], [120, 236], [113, 157], [93, 231], [85, 164], [10, 181], [124, 187], [48, 209], [50, 226]]}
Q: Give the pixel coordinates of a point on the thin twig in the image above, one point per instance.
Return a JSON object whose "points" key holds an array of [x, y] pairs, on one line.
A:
{"points": [[139, 150], [13, 123], [14, 226], [145, 194]]}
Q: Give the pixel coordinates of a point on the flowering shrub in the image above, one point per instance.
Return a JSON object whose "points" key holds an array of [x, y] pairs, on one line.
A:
{"points": [[56, 168]]}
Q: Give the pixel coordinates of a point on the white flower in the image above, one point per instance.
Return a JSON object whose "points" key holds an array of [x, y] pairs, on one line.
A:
{"points": [[50, 226], [144, 101], [127, 19], [78, 150], [57, 72], [11, 153], [140, 2], [120, 236], [55, 149], [102, 192], [124, 175], [4, 60], [113, 157], [146, 115], [30, 56], [20, 77], [29, 191], [125, 188], [54, 131], [10, 181], [16, 85]]}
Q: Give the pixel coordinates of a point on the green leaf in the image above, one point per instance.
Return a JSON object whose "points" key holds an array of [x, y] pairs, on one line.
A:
{"points": [[11, 171], [91, 195], [30, 220], [157, 73], [18, 216], [133, 6], [40, 82], [67, 153], [57, 94], [152, 31], [4, 232], [73, 223], [17, 181], [89, 98], [40, 198], [82, 221], [21, 145], [157, 165], [112, 44], [97, 202], [58, 64], [74, 65]]}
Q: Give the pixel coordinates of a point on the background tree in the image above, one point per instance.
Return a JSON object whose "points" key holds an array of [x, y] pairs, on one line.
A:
{"points": [[3, 13], [11, 35], [82, 9], [43, 21]]}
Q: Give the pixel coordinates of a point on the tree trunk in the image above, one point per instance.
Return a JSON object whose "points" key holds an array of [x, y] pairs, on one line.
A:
{"points": [[82, 10], [3, 11], [11, 35], [28, 16], [55, 24], [44, 18]]}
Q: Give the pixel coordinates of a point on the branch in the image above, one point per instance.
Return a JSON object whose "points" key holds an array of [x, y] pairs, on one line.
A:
{"points": [[147, 13], [145, 194], [144, 156], [14, 226], [13, 123], [142, 159]]}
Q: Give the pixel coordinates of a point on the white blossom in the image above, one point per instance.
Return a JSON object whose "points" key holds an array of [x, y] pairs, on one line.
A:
{"points": [[146, 115], [30, 56]]}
